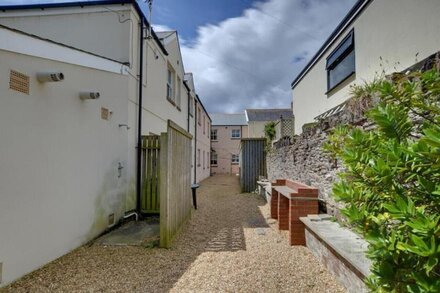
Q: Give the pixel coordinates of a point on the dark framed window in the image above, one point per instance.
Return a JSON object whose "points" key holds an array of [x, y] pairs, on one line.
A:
{"points": [[341, 62]]}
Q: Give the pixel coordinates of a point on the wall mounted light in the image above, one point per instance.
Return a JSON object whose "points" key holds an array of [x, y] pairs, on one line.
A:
{"points": [[89, 95], [50, 76]]}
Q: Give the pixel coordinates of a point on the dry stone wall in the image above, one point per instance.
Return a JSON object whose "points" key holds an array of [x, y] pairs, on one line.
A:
{"points": [[305, 161]]}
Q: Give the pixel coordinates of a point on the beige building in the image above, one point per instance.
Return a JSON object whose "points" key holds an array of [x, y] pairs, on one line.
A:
{"points": [[376, 37], [69, 157], [226, 132], [258, 118]]}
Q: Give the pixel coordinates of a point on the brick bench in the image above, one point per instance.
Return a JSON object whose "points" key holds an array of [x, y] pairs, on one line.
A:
{"points": [[289, 202]]}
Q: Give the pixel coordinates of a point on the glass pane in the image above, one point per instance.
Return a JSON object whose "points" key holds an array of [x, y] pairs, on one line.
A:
{"points": [[345, 68]]}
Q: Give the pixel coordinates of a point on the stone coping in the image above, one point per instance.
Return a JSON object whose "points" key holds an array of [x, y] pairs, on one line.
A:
{"points": [[347, 246]]}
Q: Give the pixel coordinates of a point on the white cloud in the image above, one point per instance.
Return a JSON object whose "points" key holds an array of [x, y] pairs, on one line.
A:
{"points": [[250, 61]]}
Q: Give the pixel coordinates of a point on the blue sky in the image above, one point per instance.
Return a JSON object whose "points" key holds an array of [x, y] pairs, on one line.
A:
{"points": [[245, 53], [188, 15]]}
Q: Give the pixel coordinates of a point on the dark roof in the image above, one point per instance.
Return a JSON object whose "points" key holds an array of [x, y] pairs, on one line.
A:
{"points": [[348, 19], [224, 119], [84, 4], [268, 114]]}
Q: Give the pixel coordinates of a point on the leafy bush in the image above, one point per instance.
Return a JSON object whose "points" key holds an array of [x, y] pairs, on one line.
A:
{"points": [[269, 130], [391, 185]]}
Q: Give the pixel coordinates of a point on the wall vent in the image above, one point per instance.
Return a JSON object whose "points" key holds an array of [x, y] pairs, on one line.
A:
{"points": [[105, 113], [111, 219], [19, 82]]}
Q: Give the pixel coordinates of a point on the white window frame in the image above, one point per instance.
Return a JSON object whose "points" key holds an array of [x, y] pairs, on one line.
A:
{"points": [[178, 97], [170, 84], [214, 158], [214, 134], [235, 136], [235, 159]]}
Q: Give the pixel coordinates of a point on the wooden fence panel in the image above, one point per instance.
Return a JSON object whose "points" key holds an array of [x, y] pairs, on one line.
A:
{"points": [[175, 184], [253, 162], [150, 174]]}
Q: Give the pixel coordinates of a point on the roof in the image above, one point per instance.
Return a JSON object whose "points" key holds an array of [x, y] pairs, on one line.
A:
{"points": [[84, 4], [267, 114], [224, 119], [358, 7]]}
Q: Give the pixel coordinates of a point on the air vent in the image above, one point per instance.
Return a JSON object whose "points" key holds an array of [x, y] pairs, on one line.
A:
{"points": [[105, 113], [19, 82], [111, 219]]}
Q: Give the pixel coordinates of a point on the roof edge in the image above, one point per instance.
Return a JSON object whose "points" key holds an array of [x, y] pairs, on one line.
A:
{"points": [[88, 3]]}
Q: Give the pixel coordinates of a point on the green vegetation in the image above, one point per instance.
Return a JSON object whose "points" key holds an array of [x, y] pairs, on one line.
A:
{"points": [[391, 185], [269, 131]]}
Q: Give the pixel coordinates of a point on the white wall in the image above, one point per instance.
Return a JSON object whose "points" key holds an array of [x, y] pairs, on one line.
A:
{"points": [[94, 29], [59, 177], [396, 30]]}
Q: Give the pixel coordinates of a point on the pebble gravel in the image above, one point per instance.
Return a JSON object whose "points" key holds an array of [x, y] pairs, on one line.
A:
{"points": [[229, 245]]}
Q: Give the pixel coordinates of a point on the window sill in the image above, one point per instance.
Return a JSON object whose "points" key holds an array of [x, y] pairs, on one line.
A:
{"points": [[171, 101], [236, 138], [178, 108], [214, 140], [235, 163], [334, 89]]}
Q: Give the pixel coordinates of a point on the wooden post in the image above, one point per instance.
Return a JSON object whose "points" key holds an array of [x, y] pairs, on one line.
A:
{"points": [[164, 227]]}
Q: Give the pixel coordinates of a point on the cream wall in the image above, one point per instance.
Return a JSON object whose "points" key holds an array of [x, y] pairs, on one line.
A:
{"points": [[100, 30], [59, 178], [225, 146], [396, 30], [203, 144], [256, 128]]}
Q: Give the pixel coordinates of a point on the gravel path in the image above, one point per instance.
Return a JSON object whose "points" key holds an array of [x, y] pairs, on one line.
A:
{"points": [[228, 246]]}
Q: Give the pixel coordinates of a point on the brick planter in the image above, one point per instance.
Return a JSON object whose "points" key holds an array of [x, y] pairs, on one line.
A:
{"points": [[291, 201]]}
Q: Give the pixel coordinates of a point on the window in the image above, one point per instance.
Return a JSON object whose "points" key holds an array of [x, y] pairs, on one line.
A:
{"points": [[170, 85], [203, 160], [207, 126], [235, 159], [214, 134], [199, 113], [214, 159], [341, 62], [204, 124], [235, 133], [178, 99], [191, 105], [208, 155], [198, 157]]}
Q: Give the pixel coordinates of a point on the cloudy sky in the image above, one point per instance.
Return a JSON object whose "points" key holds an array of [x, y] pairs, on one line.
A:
{"points": [[245, 53]]}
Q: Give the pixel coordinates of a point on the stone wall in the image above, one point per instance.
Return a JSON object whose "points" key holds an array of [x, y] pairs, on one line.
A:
{"points": [[305, 161]]}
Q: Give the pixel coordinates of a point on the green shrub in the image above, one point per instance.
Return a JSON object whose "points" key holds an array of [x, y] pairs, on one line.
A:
{"points": [[269, 131], [391, 184]]}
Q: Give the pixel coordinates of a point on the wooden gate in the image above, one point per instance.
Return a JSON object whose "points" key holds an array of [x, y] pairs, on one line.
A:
{"points": [[175, 184], [151, 174]]}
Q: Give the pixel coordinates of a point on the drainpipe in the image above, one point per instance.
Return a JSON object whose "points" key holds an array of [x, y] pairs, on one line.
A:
{"points": [[195, 140], [139, 143]]}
